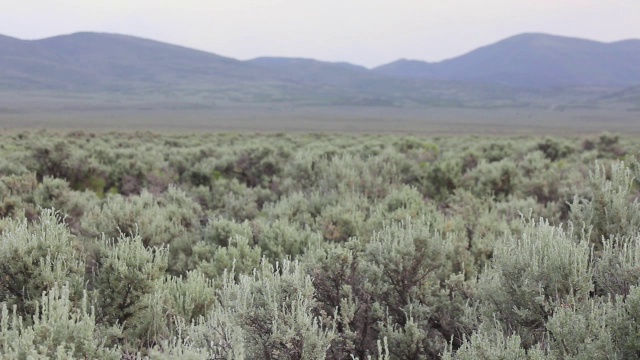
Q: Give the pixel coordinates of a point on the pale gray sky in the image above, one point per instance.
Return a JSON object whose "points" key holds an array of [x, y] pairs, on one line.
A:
{"points": [[366, 32]]}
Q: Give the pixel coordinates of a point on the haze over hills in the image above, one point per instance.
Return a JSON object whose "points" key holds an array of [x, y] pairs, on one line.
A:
{"points": [[125, 71], [534, 60], [629, 95], [314, 71], [92, 61]]}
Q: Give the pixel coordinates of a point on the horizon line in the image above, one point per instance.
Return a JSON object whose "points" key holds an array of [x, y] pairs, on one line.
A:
{"points": [[316, 59]]}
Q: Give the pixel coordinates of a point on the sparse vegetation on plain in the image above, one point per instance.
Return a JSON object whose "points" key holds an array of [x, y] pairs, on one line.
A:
{"points": [[313, 246]]}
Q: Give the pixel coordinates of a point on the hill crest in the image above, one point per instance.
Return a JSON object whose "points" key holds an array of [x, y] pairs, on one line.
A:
{"points": [[533, 60]]}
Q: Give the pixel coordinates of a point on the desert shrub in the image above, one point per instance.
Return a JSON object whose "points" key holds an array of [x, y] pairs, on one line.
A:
{"points": [[261, 316], [65, 161], [189, 297], [19, 185], [243, 205], [580, 331], [280, 239], [16, 195], [50, 159], [500, 179], [171, 302], [59, 328], [396, 247], [226, 244], [442, 178], [246, 243], [409, 271], [617, 269], [343, 300], [34, 257], [133, 170], [541, 178], [301, 172], [124, 277], [476, 226], [232, 200], [400, 203], [491, 343], [297, 207], [12, 164], [203, 173], [554, 149], [596, 329], [407, 167], [609, 211], [624, 324], [342, 221], [408, 144], [608, 146], [403, 198], [533, 274], [170, 219], [239, 254], [398, 283], [56, 194], [348, 174], [52, 193], [254, 165], [496, 151], [219, 231]]}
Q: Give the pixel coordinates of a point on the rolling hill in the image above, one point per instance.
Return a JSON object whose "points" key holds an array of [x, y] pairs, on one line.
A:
{"points": [[105, 71], [630, 95], [314, 71], [533, 60], [94, 61]]}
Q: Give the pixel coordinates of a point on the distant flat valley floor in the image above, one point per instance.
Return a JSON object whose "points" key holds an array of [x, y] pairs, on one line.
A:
{"points": [[23, 114], [440, 121]]}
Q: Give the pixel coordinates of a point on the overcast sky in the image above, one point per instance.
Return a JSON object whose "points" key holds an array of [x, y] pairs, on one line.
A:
{"points": [[366, 32]]}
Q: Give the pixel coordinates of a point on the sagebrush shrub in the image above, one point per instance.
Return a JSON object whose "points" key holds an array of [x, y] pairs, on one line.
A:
{"points": [[59, 328], [533, 274], [314, 246], [610, 210], [34, 257]]}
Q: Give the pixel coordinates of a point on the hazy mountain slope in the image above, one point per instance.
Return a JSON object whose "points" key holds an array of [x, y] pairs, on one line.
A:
{"points": [[108, 63], [285, 62], [26, 64], [631, 46], [13, 46], [97, 61], [629, 95], [312, 71], [534, 60], [410, 69], [125, 70], [348, 84]]}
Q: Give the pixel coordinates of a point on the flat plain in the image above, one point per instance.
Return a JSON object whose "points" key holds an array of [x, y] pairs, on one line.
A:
{"points": [[256, 118]]}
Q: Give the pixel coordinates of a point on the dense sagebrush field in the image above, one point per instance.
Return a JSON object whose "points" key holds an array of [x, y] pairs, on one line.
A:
{"points": [[227, 246]]}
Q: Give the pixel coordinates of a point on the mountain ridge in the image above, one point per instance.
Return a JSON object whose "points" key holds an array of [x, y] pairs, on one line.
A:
{"points": [[505, 73], [533, 60], [101, 61]]}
